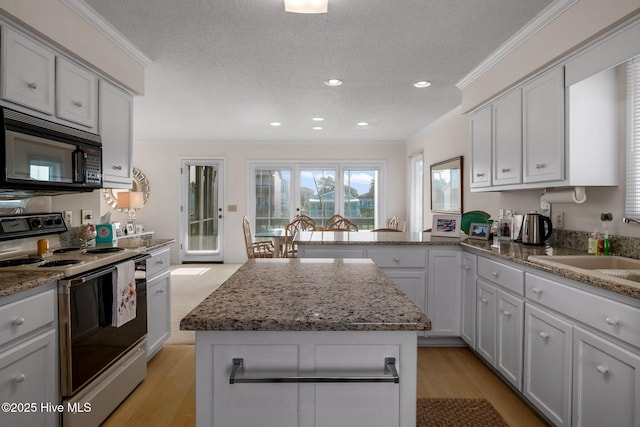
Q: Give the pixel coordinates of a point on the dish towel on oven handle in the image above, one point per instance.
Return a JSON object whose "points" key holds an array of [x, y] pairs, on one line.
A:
{"points": [[124, 298]]}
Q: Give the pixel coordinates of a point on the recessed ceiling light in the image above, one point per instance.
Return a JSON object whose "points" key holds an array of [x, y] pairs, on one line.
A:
{"points": [[423, 83], [317, 128], [362, 124], [318, 119], [275, 124], [333, 82]]}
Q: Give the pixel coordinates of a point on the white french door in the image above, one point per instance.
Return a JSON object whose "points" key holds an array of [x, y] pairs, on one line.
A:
{"points": [[201, 210]]}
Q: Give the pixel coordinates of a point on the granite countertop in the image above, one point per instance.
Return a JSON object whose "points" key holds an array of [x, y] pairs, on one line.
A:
{"points": [[371, 238], [507, 250], [307, 295], [18, 281]]}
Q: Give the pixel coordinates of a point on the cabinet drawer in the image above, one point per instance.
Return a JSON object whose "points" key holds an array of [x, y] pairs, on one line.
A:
{"points": [[508, 277], [400, 257], [26, 315], [614, 318], [159, 261]]}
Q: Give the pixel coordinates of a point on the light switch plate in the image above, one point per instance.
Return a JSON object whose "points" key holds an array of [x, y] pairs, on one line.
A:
{"points": [[68, 218], [86, 216]]}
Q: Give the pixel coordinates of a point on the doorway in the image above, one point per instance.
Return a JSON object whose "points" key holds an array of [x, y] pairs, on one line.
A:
{"points": [[201, 210]]}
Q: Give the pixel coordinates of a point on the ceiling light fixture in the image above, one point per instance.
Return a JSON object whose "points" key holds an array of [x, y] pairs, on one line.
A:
{"points": [[275, 124], [423, 83], [333, 82], [362, 124], [306, 6], [317, 128], [318, 119]]}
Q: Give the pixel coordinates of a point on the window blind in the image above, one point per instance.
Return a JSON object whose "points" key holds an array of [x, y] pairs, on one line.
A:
{"points": [[632, 202]]}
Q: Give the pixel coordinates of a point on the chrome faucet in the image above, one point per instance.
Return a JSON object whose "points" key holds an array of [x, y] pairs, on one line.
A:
{"points": [[628, 220]]}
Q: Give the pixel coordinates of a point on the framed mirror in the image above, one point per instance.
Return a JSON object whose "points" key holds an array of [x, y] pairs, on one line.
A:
{"points": [[446, 186], [140, 183]]}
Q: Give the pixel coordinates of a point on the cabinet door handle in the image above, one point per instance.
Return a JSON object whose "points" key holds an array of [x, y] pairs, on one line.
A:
{"points": [[77, 103], [116, 167], [17, 321], [536, 291], [397, 259], [19, 378], [32, 85], [602, 369], [540, 165], [495, 273], [506, 313], [480, 174], [390, 371], [160, 262], [161, 291], [612, 321], [544, 335], [466, 267], [505, 170], [484, 300]]}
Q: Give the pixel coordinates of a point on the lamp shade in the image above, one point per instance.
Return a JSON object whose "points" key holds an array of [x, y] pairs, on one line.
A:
{"points": [[306, 6], [130, 200]]}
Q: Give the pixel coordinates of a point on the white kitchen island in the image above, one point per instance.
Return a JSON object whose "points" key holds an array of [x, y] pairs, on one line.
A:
{"points": [[306, 342]]}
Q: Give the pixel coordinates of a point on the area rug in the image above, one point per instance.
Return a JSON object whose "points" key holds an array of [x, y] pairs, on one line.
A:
{"points": [[457, 413]]}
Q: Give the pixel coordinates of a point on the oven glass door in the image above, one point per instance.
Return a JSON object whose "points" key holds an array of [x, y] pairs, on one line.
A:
{"points": [[91, 343], [31, 158]]}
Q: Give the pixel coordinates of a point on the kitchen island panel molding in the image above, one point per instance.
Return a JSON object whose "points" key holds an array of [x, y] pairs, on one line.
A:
{"points": [[277, 404]]}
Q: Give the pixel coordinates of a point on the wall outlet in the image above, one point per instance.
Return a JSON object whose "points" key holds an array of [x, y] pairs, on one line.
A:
{"points": [[86, 216], [559, 220]]}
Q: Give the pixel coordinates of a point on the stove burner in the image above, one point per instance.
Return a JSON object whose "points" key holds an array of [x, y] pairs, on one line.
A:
{"points": [[19, 261], [103, 250], [60, 263], [65, 250]]}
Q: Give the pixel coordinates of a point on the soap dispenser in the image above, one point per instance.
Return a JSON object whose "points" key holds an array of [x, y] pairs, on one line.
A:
{"points": [[592, 248]]}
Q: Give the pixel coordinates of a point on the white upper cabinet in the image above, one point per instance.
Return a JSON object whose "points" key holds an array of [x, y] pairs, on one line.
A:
{"points": [[481, 136], [543, 127], [116, 130], [76, 94], [28, 72], [507, 139]]}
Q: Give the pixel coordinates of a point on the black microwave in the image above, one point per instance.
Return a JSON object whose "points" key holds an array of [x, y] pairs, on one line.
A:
{"points": [[40, 155]]}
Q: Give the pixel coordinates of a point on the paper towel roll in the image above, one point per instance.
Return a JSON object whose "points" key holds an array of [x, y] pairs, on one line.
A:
{"points": [[576, 195]]}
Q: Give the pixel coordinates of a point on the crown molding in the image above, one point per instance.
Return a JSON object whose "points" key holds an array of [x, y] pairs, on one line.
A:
{"points": [[94, 19], [544, 18]]}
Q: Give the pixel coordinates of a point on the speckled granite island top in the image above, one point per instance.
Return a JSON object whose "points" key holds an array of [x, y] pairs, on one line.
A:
{"points": [[307, 295]]}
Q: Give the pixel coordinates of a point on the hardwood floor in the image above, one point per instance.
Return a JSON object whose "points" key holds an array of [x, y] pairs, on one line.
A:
{"points": [[167, 396]]}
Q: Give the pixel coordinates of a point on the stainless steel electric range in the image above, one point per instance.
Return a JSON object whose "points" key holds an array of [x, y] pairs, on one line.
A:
{"points": [[100, 364]]}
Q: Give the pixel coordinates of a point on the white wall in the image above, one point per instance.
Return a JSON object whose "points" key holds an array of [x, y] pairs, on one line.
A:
{"points": [[160, 161]]}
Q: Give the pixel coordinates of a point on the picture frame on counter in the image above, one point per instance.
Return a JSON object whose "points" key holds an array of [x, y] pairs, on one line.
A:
{"points": [[446, 225], [480, 231]]}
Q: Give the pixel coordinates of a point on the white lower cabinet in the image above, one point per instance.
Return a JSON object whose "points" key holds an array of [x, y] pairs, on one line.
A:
{"points": [[486, 321], [29, 361], [275, 358], [468, 308], [509, 323], [444, 292], [158, 299], [547, 364], [606, 382]]}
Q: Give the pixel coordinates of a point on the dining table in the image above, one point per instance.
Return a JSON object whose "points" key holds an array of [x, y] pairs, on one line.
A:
{"points": [[277, 236]]}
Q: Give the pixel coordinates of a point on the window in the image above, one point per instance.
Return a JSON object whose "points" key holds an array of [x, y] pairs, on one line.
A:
{"points": [[632, 208], [279, 192], [272, 198], [416, 180]]}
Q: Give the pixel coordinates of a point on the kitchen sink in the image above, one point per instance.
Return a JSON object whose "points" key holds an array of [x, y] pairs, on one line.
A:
{"points": [[612, 267], [589, 262]]}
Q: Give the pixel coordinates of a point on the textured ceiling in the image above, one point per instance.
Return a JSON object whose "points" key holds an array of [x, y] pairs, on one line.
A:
{"points": [[225, 69]]}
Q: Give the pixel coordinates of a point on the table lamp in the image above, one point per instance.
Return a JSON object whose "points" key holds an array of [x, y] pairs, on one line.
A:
{"points": [[131, 200]]}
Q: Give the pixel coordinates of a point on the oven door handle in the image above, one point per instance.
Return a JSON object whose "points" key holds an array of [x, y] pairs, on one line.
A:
{"points": [[83, 279]]}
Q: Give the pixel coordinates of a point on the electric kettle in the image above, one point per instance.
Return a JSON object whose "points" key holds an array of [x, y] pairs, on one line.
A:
{"points": [[536, 228]]}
